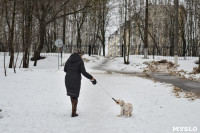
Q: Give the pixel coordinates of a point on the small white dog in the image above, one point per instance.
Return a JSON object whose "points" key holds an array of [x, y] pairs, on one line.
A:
{"points": [[126, 108]]}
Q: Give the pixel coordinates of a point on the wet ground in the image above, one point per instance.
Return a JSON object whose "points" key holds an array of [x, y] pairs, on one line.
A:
{"points": [[184, 84]]}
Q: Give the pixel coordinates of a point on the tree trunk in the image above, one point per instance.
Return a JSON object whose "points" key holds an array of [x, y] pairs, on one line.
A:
{"points": [[124, 36], [126, 28], [78, 36], [184, 44], [199, 43], [103, 43], [146, 31], [42, 33], [171, 37], [28, 30], [102, 23], [16, 62], [89, 50], [4, 62], [176, 33], [64, 27], [11, 37]]}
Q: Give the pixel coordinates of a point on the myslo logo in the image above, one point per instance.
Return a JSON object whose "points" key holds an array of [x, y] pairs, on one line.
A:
{"points": [[184, 129]]}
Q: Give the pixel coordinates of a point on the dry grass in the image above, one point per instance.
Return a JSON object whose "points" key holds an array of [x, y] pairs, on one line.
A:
{"points": [[196, 70], [169, 67], [108, 72], [159, 66], [182, 74], [177, 91], [191, 95]]}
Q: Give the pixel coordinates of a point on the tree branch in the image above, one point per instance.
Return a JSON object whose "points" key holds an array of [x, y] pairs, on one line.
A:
{"points": [[57, 17]]}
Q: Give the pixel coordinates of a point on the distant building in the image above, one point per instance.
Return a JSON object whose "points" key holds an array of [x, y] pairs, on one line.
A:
{"points": [[160, 36]]}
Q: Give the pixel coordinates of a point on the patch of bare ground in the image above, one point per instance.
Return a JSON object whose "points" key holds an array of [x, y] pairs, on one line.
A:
{"points": [[168, 67], [179, 93]]}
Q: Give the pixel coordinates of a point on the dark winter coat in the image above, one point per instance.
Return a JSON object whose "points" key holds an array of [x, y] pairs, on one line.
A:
{"points": [[73, 68]]}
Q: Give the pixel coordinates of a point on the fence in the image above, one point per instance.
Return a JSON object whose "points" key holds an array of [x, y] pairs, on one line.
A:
{"points": [[164, 52], [42, 54], [135, 52]]}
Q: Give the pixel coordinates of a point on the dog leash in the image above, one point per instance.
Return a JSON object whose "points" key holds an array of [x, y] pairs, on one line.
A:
{"points": [[106, 91]]}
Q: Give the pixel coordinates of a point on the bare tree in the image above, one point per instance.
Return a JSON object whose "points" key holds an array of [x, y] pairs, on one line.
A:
{"points": [[2, 9], [146, 30], [27, 16], [79, 18], [93, 27], [125, 34], [44, 14], [102, 21], [176, 2], [198, 17], [11, 25]]}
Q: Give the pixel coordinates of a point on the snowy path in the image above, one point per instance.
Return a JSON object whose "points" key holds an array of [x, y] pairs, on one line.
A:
{"points": [[185, 84], [34, 101], [104, 66]]}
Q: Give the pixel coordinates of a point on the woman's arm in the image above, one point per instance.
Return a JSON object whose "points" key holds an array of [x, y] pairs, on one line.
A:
{"points": [[83, 71]]}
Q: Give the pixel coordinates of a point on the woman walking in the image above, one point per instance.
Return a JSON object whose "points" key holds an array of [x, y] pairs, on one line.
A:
{"points": [[73, 69]]}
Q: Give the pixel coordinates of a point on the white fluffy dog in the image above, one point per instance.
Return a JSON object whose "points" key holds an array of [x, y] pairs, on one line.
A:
{"points": [[126, 108]]}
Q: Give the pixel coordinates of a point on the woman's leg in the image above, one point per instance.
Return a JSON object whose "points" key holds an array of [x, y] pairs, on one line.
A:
{"points": [[74, 101]]}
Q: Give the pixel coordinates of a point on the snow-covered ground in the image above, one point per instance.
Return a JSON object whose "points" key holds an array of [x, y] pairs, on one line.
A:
{"points": [[136, 65], [34, 101]]}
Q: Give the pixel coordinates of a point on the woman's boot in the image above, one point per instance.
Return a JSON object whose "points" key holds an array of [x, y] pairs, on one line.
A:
{"points": [[74, 107]]}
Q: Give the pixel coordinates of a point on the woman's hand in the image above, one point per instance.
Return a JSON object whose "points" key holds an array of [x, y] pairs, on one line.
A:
{"points": [[93, 81]]}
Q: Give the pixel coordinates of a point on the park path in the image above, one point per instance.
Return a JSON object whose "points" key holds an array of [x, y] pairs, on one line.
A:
{"points": [[185, 84]]}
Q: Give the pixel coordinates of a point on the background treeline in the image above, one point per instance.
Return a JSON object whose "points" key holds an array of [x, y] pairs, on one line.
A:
{"points": [[157, 31], [32, 26]]}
